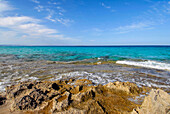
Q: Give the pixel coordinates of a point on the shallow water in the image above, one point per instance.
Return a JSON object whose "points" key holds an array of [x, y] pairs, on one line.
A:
{"points": [[31, 63], [12, 73], [152, 56]]}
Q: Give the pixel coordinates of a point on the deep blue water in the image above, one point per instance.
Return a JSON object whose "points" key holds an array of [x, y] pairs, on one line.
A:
{"points": [[74, 53]]}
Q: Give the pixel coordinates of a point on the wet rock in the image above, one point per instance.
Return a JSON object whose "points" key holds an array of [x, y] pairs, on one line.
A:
{"points": [[157, 102], [83, 82], [80, 97]]}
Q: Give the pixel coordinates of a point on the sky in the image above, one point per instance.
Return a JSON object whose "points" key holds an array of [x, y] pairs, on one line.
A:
{"points": [[84, 22]]}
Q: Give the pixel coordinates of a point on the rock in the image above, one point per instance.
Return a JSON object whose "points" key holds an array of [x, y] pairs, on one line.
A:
{"points": [[26, 103], [72, 111], [83, 96], [157, 102], [55, 86], [61, 102], [79, 97], [127, 87], [38, 95], [2, 100], [83, 82]]}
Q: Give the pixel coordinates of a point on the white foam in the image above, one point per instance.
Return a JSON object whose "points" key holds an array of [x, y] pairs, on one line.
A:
{"points": [[147, 64]]}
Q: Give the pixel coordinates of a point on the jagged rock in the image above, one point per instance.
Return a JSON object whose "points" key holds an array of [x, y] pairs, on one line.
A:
{"points": [[38, 95], [2, 100], [83, 96], [157, 102], [26, 103], [126, 87], [72, 111], [80, 97], [83, 82], [61, 102]]}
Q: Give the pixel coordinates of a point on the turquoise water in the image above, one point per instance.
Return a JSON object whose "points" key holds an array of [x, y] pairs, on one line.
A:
{"points": [[22, 63], [161, 54]]}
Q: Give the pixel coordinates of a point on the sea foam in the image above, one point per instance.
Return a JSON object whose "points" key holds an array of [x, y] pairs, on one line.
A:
{"points": [[147, 64]]}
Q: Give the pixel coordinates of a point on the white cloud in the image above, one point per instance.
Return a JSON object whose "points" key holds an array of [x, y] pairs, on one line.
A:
{"points": [[49, 17], [133, 27], [64, 21], [39, 8], [105, 6], [35, 1], [4, 6], [169, 2], [26, 29], [156, 15], [26, 25], [14, 21]]}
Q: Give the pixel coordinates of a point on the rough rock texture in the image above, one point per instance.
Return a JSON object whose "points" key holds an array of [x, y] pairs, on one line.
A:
{"points": [[2, 100], [126, 87], [157, 102], [74, 97]]}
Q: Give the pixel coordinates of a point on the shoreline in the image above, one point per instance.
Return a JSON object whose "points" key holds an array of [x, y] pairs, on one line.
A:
{"points": [[81, 87], [81, 96], [99, 72]]}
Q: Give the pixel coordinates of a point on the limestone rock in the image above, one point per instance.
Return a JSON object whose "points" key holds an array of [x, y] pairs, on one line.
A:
{"points": [[2, 100], [157, 102], [65, 97], [83, 82], [83, 96], [72, 111], [126, 87], [26, 103], [61, 102]]}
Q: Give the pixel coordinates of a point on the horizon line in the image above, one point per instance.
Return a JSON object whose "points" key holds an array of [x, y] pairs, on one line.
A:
{"points": [[90, 45]]}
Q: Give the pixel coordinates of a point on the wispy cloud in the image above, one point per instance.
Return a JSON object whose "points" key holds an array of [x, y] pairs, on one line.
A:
{"points": [[55, 13], [157, 14], [35, 1], [64, 21], [54, 3], [105, 6], [29, 26], [4, 6], [133, 27], [39, 8], [26, 27]]}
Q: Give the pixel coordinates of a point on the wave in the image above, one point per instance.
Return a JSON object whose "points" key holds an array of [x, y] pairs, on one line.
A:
{"points": [[147, 64]]}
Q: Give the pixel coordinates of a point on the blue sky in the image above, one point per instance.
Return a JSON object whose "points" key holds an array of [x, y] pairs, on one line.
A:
{"points": [[84, 22]]}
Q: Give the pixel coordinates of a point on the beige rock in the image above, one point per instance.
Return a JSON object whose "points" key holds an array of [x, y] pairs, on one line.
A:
{"points": [[157, 102], [72, 111], [83, 82], [61, 102], [83, 96], [123, 86]]}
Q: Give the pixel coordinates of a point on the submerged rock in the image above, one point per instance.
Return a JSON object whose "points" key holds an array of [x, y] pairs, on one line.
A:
{"points": [[80, 97]]}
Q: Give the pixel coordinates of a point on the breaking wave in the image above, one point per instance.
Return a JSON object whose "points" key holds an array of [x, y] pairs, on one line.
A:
{"points": [[147, 64]]}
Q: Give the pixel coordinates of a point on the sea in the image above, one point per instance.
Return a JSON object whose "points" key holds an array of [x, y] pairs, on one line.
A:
{"points": [[150, 64]]}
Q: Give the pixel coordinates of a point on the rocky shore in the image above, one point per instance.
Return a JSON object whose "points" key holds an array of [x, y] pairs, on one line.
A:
{"points": [[82, 97]]}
